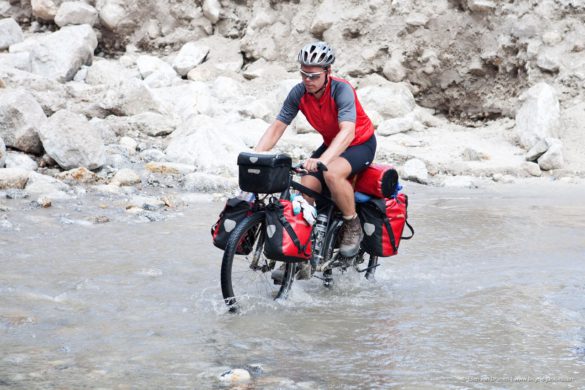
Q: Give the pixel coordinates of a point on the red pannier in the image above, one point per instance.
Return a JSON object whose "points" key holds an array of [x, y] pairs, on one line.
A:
{"points": [[288, 236], [377, 180], [383, 223], [234, 212]]}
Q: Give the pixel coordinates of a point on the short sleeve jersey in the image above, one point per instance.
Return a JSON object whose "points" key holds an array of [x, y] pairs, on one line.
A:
{"points": [[338, 103]]}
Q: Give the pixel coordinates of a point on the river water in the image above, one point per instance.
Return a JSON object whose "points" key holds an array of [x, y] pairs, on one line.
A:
{"points": [[490, 294]]}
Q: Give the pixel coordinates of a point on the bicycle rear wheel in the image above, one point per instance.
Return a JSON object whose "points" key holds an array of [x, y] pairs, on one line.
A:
{"points": [[246, 278]]}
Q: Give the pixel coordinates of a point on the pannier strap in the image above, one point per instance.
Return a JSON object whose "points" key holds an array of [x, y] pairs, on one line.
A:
{"points": [[286, 225], [411, 232], [307, 191], [390, 233]]}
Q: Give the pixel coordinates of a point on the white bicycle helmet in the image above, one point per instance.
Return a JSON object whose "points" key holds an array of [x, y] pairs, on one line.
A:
{"points": [[317, 54]]}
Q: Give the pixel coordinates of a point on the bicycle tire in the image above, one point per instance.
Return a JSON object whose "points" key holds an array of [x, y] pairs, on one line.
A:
{"points": [[251, 282]]}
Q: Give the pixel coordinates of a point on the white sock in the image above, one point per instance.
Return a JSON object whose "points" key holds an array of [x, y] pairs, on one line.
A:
{"points": [[346, 218]]}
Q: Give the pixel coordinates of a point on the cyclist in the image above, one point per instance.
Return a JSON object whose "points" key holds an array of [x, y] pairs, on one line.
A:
{"points": [[331, 106]]}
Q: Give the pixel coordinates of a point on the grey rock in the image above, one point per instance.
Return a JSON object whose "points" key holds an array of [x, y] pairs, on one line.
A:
{"points": [[61, 54], [190, 55], [481, 5], [537, 150], [10, 33], [547, 63], [45, 9], [13, 193], [76, 12], [212, 10], [13, 178], [20, 61], [108, 72], [393, 100], [72, 142], [553, 157], [539, 115], [125, 177], [21, 117], [131, 98], [113, 14], [152, 155], [415, 170], [19, 160], [531, 168]]}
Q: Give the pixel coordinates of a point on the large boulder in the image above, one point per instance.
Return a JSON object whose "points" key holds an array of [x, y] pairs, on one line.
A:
{"points": [[415, 170], [188, 100], [553, 157], [43, 184], [203, 143], [72, 142], [60, 55], [21, 116], [45, 9], [212, 10], [131, 97], [190, 55], [108, 72], [76, 12], [391, 100], [20, 61], [113, 15], [10, 33], [19, 160], [539, 116], [13, 178]]}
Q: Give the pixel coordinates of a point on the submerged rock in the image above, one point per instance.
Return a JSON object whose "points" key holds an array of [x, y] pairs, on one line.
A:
{"points": [[235, 375]]}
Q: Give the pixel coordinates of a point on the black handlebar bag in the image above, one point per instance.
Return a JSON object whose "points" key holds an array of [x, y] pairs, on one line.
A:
{"points": [[234, 212], [383, 222], [288, 236]]}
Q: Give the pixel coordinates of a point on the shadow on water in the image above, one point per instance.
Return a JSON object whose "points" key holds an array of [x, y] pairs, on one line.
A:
{"points": [[488, 293]]}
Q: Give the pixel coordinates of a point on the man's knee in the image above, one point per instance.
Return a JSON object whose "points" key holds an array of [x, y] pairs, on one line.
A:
{"points": [[339, 170]]}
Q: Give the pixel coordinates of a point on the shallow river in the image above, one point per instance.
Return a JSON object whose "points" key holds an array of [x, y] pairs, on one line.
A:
{"points": [[490, 294]]}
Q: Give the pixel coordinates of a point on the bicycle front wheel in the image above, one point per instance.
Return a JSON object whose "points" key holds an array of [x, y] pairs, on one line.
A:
{"points": [[246, 278]]}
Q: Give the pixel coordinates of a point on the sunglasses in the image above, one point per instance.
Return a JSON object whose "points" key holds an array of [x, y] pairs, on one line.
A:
{"points": [[311, 76]]}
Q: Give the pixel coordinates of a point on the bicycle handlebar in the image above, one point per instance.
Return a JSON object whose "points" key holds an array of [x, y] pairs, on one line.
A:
{"points": [[298, 168]]}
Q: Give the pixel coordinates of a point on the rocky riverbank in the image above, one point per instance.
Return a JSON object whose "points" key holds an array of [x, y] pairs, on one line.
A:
{"points": [[119, 98]]}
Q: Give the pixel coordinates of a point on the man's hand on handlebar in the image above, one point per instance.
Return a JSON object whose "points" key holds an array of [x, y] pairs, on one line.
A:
{"points": [[314, 165]]}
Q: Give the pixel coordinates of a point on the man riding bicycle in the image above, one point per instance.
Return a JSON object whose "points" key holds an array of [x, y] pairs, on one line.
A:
{"points": [[331, 106]]}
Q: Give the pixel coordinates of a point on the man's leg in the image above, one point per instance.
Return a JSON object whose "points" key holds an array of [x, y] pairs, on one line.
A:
{"points": [[314, 184], [341, 190], [342, 193]]}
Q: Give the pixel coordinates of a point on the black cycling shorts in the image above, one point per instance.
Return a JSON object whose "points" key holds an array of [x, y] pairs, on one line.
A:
{"points": [[359, 157]]}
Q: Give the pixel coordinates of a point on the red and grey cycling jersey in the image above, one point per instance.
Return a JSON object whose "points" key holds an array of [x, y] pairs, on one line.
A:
{"points": [[338, 103]]}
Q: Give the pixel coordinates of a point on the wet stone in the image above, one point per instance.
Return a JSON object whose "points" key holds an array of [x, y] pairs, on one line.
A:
{"points": [[13, 193]]}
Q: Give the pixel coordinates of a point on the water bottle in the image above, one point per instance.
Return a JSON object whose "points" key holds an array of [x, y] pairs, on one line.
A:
{"points": [[319, 230]]}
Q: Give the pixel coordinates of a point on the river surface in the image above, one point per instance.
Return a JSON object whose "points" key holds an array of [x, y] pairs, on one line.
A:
{"points": [[490, 294]]}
